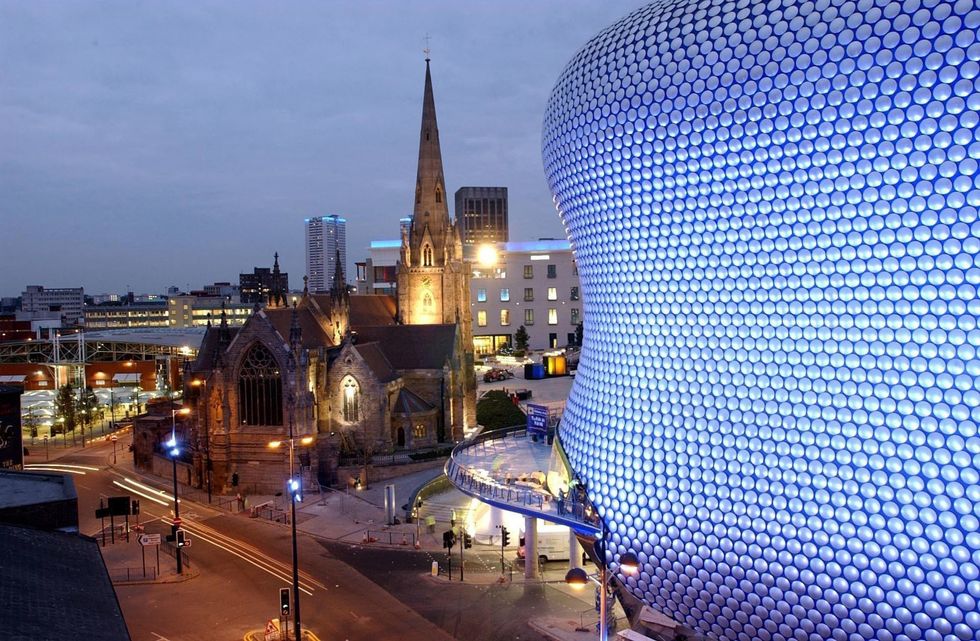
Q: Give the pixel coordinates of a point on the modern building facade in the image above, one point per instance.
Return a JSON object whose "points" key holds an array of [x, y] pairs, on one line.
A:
{"points": [[326, 237], [115, 316], [534, 284], [482, 214], [263, 284], [67, 302], [199, 311], [378, 273], [774, 215]]}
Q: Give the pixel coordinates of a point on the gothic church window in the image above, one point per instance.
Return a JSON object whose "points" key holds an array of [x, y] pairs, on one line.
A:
{"points": [[427, 256], [259, 388], [438, 195], [419, 431], [351, 394], [427, 301]]}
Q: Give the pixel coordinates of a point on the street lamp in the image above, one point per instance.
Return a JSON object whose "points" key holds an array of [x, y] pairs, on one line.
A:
{"points": [[174, 451], [200, 382], [578, 579], [294, 487]]}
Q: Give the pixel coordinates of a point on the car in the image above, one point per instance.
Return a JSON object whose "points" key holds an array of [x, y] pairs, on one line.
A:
{"points": [[497, 374]]}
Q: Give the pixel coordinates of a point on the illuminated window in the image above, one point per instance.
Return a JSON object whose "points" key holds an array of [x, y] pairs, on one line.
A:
{"points": [[529, 317], [528, 293], [351, 393], [552, 316], [552, 293], [427, 256], [504, 295], [259, 388], [528, 271], [552, 271], [481, 318], [505, 317], [481, 295], [573, 295], [419, 431]]}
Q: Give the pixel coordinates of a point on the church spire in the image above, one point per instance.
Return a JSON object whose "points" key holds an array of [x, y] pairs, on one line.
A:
{"points": [[430, 220]]}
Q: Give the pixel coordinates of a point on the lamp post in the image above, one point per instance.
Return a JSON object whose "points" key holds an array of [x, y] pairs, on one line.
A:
{"points": [[293, 485], [200, 382], [577, 578], [112, 411], [174, 451]]}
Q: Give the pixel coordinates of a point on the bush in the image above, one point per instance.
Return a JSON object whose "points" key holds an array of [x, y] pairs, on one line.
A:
{"points": [[496, 411], [442, 452]]}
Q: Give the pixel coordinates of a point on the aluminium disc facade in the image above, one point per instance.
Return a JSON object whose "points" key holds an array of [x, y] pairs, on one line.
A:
{"points": [[773, 207]]}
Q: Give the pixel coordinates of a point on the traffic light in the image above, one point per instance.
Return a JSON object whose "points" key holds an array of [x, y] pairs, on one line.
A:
{"points": [[284, 602], [181, 541], [295, 490], [505, 540], [135, 507], [448, 539], [467, 540]]}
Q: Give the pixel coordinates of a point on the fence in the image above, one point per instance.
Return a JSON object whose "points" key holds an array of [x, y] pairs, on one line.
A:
{"points": [[168, 548], [389, 537], [128, 575]]}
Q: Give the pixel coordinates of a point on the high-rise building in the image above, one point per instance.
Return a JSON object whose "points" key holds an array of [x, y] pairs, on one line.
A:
{"points": [[325, 237], [482, 212], [263, 285]]}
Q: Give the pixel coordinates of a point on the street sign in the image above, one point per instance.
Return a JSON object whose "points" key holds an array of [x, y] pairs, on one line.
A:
{"points": [[537, 420], [149, 539]]}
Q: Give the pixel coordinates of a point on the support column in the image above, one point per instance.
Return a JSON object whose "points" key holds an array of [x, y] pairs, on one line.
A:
{"points": [[574, 551], [530, 547], [496, 519]]}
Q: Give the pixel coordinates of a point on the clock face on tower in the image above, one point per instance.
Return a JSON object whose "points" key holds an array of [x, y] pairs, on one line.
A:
{"points": [[427, 283]]}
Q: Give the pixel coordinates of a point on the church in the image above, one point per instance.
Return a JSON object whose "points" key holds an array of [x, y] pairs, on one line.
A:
{"points": [[359, 375]]}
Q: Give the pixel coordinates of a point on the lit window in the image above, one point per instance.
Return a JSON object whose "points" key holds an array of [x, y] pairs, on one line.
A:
{"points": [[481, 295], [427, 256], [552, 271], [350, 400], [481, 318], [528, 271], [552, 316], [419, 430], [504, 295], [552, 293], [505, 317], [529, 317]]}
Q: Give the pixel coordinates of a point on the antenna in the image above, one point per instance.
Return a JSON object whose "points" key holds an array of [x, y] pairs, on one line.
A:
{"points": [[426, 51]]}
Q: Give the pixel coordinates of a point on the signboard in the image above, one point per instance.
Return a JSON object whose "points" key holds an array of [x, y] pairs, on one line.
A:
{"points": [[11, 438], [149, 539], [119, 505], [537, 420]]}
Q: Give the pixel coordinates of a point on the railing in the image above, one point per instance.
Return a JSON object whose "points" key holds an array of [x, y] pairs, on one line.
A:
{"points": [[389, 537], [573, 510], [168, 548], [128, 575]]}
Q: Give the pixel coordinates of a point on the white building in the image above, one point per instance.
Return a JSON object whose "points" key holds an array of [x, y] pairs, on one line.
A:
{"points": [[67, 302], [378, 274], [325, 236], [534, 284]]}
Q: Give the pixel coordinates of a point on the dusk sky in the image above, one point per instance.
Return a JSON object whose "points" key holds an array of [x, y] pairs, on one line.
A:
{"points": [[149, 144]]}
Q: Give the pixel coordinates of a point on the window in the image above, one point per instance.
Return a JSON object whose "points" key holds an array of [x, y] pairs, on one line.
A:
{"points": [[504, 295], [528, 271], [529, 317], [351, 393], [427, 301], [575, 316], [427, 256], [552, 293], [552, 316], [481, 295], [573, 295], [528, 293], [481, 318], [259, 388], [419, 431], [505, 317], [552, 271], [438, 195]]}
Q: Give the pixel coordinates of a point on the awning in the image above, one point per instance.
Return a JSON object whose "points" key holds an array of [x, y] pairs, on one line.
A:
{"points": [[126, 378], [13, 378]]}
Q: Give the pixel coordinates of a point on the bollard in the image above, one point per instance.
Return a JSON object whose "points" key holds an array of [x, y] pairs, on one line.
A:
{"points": [[435, 568]]}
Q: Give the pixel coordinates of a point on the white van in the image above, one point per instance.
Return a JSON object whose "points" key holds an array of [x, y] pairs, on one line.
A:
{"points": [[552, 543]]}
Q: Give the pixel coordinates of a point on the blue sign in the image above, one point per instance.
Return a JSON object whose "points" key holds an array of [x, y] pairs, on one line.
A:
{"points": [[537, 420]]}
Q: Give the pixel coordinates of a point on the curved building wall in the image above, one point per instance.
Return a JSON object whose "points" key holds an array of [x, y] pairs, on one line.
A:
{"points": [[773, 206]]}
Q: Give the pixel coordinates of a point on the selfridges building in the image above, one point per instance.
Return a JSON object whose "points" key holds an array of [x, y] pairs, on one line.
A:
{"points": [[773, 207]]}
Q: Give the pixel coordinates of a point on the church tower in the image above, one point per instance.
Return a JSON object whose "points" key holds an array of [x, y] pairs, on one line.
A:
{"points": [[433, 278]]}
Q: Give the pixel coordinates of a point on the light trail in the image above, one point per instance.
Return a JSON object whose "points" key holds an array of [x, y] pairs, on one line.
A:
{"points": [[138, 492], [60, 470], [38, 466]]}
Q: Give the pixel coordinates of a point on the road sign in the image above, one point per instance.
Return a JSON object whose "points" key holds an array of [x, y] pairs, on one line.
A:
{"points": [[537, 420], [149, 539]]}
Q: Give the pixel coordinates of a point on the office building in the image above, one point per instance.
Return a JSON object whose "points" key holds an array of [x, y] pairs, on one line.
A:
{"points": [[377, 274], [67, 303], [263, 284], [482, 214], [326, 237], [534, 284]]}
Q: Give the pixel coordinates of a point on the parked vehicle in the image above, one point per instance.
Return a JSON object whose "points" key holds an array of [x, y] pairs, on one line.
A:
{"points": [[552, 544], [497, 374]]}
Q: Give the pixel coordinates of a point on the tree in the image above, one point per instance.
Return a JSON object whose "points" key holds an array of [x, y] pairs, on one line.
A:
{"points": [[521, 339], [66, 407], [88, 403], [578, 334]]}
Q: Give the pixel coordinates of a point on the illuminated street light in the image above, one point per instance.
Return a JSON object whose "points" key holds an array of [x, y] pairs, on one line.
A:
{"points": [[174, 451], [486, 255]]}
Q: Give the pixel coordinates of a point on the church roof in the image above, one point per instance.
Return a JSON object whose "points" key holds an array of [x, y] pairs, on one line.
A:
{"points": [[413, 346], [375, 359], [373, 310], [313, 333], [411, 403], [211, 350]]}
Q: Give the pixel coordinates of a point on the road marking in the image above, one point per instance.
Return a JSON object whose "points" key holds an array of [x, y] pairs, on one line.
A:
{"points": [[159, 638]]}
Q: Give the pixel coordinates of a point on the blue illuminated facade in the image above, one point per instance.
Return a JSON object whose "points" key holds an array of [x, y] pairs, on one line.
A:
{"points": [[773, 206]]}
